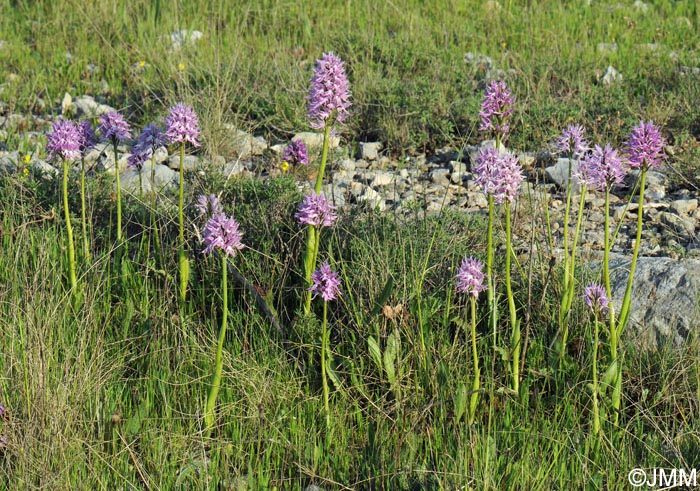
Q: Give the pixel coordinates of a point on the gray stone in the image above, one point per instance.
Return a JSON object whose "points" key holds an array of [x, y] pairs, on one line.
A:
{"points": [[190, 162], [684, 206], [482, 62], [245, 145], [370, 150], [233, 168], [44, 168], [67, 107], [372, 198], [678, 224], [7, 165], [382, 179], [335, 193], [164, 178], [86, 106], [611, 76], [183, 37], [457, 177], [559, 174], [607, 48], [457, 166], [665, 305], [346, 165], [641, 6], [440, 176], [315, 140]]}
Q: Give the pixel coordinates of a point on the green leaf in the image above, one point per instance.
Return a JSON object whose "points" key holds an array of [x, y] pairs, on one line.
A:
{"points": [[460, 402], [383, 297], [393, 348], [374, 351]]}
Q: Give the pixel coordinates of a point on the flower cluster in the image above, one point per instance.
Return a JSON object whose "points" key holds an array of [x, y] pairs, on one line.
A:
{"points": [[572, 141], [113, 127], [498, 173], [87, 137], [182, 125], [221, 232], [208, 206], [645, 146], [470, 277], [315, 210], [596, 299], [325, 283], [149, 140], [296, 153], [64, 140], [496, 108], [329, 96], [602, 169]]}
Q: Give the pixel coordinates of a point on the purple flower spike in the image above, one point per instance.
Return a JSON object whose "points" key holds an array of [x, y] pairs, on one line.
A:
{"points": [[316, 211], [572, 141], [221, 232], [325, 283], [113, 127], [88, 139], [496, 108], [208, 206], [329, 96], [498, 173], [602, 169], [645, 146], [64, 140], [296, 153], [182, 125], [470, 277], [152, 137], [138, 158], [596, 299]]}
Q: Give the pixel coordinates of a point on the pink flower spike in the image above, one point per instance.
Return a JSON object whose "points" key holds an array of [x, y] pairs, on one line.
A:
{"points": [[221, 232], [329, 95], [182, 125], [470, 277], [645, 146], [325, 283]]}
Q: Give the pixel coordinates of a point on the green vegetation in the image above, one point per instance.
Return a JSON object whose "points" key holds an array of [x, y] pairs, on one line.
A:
{"points": [[106, 386]]}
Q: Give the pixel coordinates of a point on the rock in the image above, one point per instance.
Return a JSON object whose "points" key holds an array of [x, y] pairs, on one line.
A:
{"points": [[87, 107], [335, 193], [372, 198], [346, 165], [655, 188], [190, 162], [611, 76], [665, 295], [245, 145], [183, 37], [559, 174], [684, 207], [641, 6], [679, 225], [482, 62], [382, 179], [233, 168], [316, 140], [478, 200], [370, 150], [457, 177], [457, 166], [44, 168], [440, 176], [313, 487], [607, 48], [7, 165], [164, 178]]}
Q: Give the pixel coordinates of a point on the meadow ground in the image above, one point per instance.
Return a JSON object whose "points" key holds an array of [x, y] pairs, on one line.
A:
{"points": [[105, 386]]}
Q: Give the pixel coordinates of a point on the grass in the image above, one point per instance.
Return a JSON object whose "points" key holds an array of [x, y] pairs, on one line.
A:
{"points": [[106, 387]]}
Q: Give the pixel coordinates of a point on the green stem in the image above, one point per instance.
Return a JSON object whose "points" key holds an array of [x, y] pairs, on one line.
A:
{"points": [[310, 256], [568, 283], [324, 368], [69, 228], [154, 223], [219, 362], [606, 277], [476, 384], [596, 411], [83, 218], [182, 256], [491, 292], [324, 158], [514, 324], [119, 191]]}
